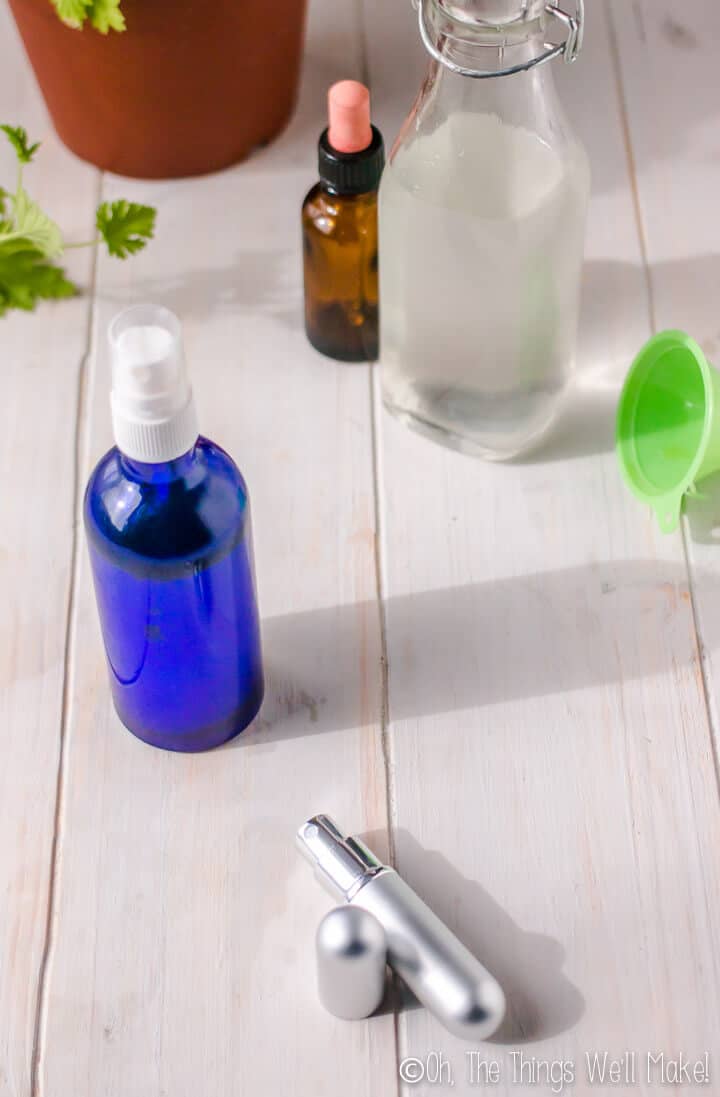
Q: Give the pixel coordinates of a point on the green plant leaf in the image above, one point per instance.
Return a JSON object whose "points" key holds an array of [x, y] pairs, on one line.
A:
{"points": [[26, 277], [72, 12], [31, 223], [125, 226], [106, 15], [18, 138]]}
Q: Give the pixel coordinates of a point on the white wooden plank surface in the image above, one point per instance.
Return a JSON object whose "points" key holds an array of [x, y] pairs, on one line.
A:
{"points": [[41, 360], [553, 793], [672, 89], [551, 757], [182, 958]]}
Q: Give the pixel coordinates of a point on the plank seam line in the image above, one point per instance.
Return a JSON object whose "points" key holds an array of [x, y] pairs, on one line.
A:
{"points": [[362, 39], [652, 312], [382, 620], [704, 660], [380, 583], [632, 167], [701, 654], [68, 654], [385, 737]]}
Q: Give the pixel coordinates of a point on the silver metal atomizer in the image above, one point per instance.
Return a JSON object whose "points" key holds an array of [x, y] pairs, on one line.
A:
{"points": [[424, 952]]}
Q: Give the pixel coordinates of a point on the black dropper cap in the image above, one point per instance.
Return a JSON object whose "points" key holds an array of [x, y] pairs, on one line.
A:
{"points": [[351, 172]]}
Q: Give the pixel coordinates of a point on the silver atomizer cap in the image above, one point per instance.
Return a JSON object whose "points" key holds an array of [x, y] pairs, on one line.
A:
{"points": [[351, 959]]}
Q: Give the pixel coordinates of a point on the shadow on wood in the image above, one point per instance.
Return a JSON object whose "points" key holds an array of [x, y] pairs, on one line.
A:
{"points": [[613, 305], [541, 1000], [476, 645]]}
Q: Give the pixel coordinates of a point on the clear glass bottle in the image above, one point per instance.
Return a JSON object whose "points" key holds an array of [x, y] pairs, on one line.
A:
{"points": [[482, 212]]}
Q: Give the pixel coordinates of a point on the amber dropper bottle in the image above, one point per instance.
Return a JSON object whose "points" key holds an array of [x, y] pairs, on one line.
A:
{"points": [[339, 219]]}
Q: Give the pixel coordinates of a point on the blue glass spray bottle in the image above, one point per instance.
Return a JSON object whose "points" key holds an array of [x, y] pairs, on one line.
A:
{"points": [[167, 517]]}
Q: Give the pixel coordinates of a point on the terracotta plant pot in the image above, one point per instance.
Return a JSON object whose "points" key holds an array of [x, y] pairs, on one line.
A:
{"points": [[191, 86]]}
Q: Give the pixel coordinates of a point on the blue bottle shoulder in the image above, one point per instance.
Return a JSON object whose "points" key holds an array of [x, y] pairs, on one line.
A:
{"points": [[166, 517]]}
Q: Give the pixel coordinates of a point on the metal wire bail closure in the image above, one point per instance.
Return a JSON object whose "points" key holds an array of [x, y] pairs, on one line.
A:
{"points": [[569, 49]]}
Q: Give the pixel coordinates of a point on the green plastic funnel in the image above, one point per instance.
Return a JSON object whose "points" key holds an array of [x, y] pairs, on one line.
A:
{"points": [[668, 424]]}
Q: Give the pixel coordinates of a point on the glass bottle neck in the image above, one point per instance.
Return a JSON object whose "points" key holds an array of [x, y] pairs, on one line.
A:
{"points": [[528, 99], [487, 39], [471, 46]]}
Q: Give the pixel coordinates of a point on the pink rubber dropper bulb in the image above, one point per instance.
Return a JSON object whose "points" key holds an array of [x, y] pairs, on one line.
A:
{"points": [[349, 116]]}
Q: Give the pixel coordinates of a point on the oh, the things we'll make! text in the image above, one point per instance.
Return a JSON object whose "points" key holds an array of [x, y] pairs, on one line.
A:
{"points": [[603, 1069]]}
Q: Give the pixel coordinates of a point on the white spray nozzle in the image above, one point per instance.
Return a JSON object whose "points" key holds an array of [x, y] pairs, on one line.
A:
{"points": [[154, 416]]}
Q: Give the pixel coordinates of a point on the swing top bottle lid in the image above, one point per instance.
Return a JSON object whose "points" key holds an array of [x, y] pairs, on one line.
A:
{"points": [[456, 32], [350, 151], [153, 411]]}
